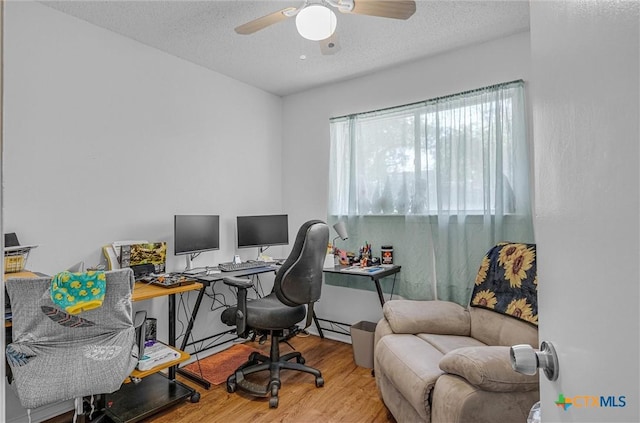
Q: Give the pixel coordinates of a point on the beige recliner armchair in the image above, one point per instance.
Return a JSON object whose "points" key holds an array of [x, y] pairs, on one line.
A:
{"points": [[436, 361]]}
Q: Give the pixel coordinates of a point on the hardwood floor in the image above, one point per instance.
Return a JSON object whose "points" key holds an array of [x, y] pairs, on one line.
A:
{"points": [[349, 393]]}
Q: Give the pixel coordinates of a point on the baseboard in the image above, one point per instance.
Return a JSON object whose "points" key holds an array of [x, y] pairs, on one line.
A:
{"points": [[330, 335]]}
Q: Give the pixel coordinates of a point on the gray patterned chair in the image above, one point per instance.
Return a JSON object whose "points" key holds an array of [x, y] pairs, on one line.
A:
{"points": [[437, 361], [57, 356]]}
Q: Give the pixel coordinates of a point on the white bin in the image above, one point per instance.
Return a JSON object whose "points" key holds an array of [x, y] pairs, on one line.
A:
{"points": [[362, 335]]}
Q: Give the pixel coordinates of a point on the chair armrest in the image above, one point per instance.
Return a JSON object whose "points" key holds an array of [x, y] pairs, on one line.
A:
{"points": [[488, 368], [243, 283], [436, 317]]}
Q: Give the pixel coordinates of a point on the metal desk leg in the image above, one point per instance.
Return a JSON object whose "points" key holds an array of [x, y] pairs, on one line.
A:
{"points": [[315, 319], [192, 319], [379, 289], [172, 330], [206, 384]]}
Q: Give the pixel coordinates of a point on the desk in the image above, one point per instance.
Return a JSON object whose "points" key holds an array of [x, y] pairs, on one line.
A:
{"points": [[155, 392], [374, 275], [207, 280]]}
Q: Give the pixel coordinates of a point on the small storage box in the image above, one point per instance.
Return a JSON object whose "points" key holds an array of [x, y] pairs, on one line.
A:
{"points": [[362, 336], [15, 261]]}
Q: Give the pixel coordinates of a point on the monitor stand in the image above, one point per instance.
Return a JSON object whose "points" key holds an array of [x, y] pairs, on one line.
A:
{"points": [[262, 256], [188, 258]]}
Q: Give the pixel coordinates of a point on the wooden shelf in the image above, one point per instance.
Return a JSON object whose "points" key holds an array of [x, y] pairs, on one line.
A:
{"points": [[145, 291], [141, 374]]}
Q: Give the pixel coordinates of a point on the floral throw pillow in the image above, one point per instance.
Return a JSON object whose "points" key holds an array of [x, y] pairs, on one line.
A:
{"points": [[507, 282]]}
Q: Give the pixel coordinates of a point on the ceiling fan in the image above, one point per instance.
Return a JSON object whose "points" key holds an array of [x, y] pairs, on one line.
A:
{"points": [[317, 22]]}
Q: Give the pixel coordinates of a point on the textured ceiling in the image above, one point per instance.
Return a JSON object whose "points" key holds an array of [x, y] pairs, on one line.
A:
{"points": [[202, 32]]}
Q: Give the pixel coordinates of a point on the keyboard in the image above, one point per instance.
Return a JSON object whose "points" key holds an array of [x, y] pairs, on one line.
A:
{"points": [[230, 267]]}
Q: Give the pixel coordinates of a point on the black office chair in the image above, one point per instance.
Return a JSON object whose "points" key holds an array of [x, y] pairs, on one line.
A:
{"points": [[298, 282]]}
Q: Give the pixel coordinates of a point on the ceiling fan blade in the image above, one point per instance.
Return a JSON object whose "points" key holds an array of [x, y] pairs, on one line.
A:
{"points": [[330, 45], [263, 22], [396, 9]]}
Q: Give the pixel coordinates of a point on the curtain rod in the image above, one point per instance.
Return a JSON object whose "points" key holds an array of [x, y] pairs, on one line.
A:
{"points": [[502, 84]]}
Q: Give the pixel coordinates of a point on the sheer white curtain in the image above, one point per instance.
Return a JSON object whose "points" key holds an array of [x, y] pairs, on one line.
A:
{"points": [[442, 180]]}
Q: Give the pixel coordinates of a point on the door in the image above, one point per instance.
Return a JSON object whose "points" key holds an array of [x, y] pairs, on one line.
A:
{"points": [[585, 93]]}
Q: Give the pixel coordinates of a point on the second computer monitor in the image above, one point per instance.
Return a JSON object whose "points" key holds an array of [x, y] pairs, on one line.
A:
{"points": [[262, 231]]}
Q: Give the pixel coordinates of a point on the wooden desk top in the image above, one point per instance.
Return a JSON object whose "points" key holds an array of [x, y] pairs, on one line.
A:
{"points": [[145, 291], [23, 274]]}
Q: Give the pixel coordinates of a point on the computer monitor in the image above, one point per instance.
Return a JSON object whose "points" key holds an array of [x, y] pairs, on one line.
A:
{"points": [[262, 231], [194, 234]]}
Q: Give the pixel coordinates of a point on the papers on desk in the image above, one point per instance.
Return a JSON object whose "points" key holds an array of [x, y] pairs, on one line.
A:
{"points": [[363, 270], [155, 355]]}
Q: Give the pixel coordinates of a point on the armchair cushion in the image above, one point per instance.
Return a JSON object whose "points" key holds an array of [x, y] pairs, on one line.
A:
{"points": [[410, 367], [488, 368], [436, 317], [446, 343]]}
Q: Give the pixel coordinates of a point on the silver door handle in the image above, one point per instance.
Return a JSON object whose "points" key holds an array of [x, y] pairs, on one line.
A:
{"points": [[526, 360]]}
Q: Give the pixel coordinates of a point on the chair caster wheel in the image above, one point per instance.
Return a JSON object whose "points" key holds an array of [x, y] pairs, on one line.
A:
{"points": [[300, 360], [195, 397], [231, 387], [319, 382], [253, 357], [273, 402]]}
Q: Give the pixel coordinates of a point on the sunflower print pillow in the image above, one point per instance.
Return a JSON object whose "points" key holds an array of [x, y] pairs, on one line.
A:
{"points": [[507, 282]]}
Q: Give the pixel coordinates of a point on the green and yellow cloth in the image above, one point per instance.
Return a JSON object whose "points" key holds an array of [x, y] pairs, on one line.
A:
{"points": [[78, 292]]}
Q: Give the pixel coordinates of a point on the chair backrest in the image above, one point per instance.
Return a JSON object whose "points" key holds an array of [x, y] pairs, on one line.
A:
{"points": [[299, 279], [56, 355]]}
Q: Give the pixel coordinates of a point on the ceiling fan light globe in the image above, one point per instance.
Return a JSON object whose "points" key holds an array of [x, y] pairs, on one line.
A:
{"points": [[316, 22]]}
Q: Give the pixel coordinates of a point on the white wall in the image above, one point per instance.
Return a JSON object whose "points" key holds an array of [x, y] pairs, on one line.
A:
{"points": [[306, 133], [106, 139], [585, 92]]}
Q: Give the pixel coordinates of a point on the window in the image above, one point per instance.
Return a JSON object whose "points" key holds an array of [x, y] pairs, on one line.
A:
{"points": [[442, 181], [461, 154]]}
